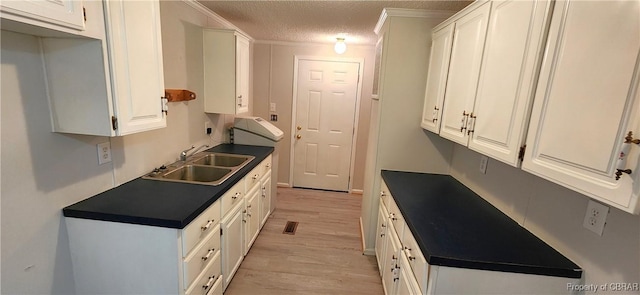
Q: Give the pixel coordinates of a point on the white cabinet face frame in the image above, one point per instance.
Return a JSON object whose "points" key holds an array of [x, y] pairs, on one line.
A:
{"points": [[587, 101], [437, 78], [510, 65], [242, 72], [232, 240], [63, 13], [464, 70]]}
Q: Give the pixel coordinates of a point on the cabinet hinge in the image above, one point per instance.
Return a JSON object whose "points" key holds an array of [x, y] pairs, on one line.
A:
{"points": [[163, 104], [521, 153], [84, 14], [114, 122]]}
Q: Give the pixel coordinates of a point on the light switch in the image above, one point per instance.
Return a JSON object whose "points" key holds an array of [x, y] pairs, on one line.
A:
{"points": [[272, 107]]}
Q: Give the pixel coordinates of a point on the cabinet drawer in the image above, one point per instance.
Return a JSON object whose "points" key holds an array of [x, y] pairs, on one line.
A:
{"points": [[217, 287], [200, 228], [207, 279], [417, 262], [254, 177], [395, 218], [232, 197], [202, 256], [385, 195]]}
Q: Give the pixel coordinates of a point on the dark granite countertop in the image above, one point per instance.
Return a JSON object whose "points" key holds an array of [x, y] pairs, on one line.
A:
{"points": [[160, 203], [455, 227]]}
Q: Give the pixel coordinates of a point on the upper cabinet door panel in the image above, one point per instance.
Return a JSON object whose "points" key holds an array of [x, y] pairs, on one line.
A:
{"points": [[512, 55], [135, 47], [64, 13], [464, 69], [437, 78], [585, 99], [242, 70]]}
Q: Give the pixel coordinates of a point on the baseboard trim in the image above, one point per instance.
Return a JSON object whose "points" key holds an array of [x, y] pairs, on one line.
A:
{"points": [[362, 236], [284, 184], [357, 191]]}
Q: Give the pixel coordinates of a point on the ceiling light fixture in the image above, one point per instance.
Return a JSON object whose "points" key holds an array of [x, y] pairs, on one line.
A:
{"points": [[340, 46]]}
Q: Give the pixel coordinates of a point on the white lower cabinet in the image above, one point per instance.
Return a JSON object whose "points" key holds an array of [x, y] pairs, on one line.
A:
{"points": [[121, 258], [252, 217], [405, 270], [265, 194], [390, 272], [381, 233], [232, 242], [407, 284]]}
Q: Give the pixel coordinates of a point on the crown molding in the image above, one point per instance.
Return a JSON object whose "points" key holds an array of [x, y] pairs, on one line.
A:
{"points": [[209, 13], [404, 12]]}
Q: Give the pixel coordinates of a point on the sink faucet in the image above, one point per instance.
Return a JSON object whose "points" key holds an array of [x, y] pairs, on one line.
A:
{"points": [[184, 155]]}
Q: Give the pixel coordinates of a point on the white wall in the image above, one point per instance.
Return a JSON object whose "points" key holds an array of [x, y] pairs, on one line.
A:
{"points": [[555, 214], [42, 172]]}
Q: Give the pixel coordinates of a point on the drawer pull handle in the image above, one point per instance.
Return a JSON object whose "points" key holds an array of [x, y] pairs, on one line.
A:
{"points": [[382, 194], [236, 196], [268, 165], [209, 283], [383, 225], [206, 257], [206, 226], [381, 235], [256, 176]]}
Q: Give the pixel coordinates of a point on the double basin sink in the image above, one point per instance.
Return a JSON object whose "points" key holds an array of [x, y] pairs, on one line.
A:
{"points": [[202, 168]]}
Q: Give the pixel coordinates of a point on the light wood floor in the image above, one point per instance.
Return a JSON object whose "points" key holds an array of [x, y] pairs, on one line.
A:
{"points": [[323, 257]]}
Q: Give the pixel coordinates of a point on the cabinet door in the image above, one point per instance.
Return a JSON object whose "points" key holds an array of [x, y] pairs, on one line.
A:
{"points": [[232, 242], [390, 272], [464, 69], [252, 217], [437, 78], [64, 13], [512, 55], [381, 233], [135, 50], [585, 100], [265, 203], [407, 284], [242, 74]]}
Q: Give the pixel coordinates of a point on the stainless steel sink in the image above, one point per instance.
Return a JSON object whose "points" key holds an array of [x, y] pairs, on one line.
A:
{"points": [[199, 173], [222, 160], [203, 168]]}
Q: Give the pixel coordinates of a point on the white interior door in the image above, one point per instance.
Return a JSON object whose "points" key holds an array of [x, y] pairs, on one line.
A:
{"points": [[326, 93]]}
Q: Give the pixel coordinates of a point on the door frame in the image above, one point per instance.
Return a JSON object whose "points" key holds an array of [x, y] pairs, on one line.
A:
{"points": [[356, 118]]}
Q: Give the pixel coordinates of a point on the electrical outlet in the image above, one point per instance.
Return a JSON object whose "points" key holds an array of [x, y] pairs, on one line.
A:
{"points": [[483, 164], [104, 152], [596, 217], [274, 117], [272, 107], [207, 128]]}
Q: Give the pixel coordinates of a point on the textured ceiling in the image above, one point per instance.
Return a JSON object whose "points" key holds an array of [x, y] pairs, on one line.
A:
{"points": [[315, 21]]}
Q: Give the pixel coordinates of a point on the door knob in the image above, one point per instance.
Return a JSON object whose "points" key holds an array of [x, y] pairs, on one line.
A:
{"points": [[299, 127], [298, 136]]}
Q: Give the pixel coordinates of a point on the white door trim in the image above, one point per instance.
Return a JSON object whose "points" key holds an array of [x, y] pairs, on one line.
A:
{"points": [[360, 62]]}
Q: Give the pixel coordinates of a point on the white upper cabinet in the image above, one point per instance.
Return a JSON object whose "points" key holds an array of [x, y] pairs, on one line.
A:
{"points": [[510, 64], [226, 72], [61, 15], [587, 101], [464, 69], [111, 86], [135, 50], [437, 78], [495, 56]]}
